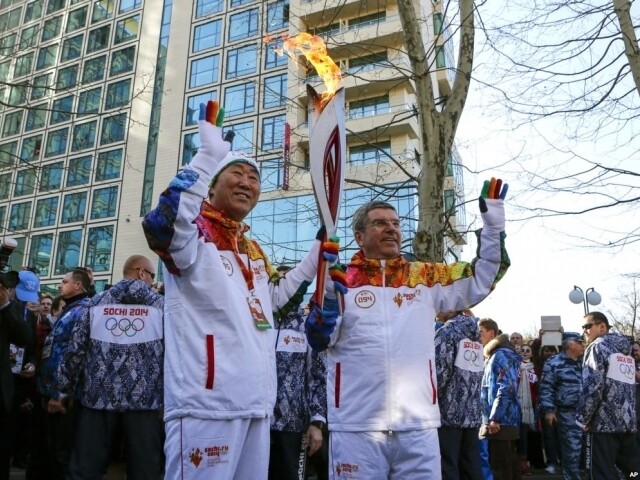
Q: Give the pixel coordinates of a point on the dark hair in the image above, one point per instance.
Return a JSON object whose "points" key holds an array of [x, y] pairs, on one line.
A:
{"points": [[598, 317], [489, 324], [55, 304], [79, 274]]}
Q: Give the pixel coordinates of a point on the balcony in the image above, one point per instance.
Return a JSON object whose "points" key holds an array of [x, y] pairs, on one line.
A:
{"points": [[318, 12]]}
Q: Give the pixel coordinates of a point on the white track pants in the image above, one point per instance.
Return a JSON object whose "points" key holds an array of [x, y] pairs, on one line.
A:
{"points": [[380, 456], [198, 449]]}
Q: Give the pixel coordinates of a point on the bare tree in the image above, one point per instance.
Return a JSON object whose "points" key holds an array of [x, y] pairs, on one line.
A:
{"points": [[624, 317]]}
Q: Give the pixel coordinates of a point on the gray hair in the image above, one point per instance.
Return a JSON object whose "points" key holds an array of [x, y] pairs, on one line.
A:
{"points": [[360, 215]]}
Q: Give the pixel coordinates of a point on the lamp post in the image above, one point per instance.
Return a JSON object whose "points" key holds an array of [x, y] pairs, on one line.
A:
{"points": [[588, 297]]}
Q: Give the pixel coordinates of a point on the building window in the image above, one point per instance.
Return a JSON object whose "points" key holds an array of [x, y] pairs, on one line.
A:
{"points": [[41, 86], [5, 187], [204, 70], [47, 57], [3, 214], [77, 19], [370, 153], [29, 37], [25, 183], [193, 105], [8, 154], [7, 44], [207, 7], [127, 5], [277, 16], [190, 147], [51, 28], [56, 142], [127, 29], [18, 94], [41, 251], [67, 77], [33, 11], [5, 68], [104, 203], [46, 211], [93, 70], [369, 107], [441, 59], [74, 206], [113, 129], [238, 3], [122, 61], [368, 62], [118, 94], [273, 59], [207, 35], [102, 10], [109, 164], [275, 91], [89, 101], [242, 61], [272, 132], [84, 136], [31, 148], [437, 24], [240, 99], [244, 140], [271, 174], [72, 48], [19, 216], [79, 172], [12, 123], [61, 110], [51, 177], [23, 65], [243, 24], [99, 243], [98, 39], [366, 20], [449, 202], [55, 5], [68, 251]]}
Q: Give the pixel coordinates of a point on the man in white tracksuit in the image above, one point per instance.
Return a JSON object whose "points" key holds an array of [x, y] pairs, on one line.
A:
{"points": [[220, 292], [381, 386]]}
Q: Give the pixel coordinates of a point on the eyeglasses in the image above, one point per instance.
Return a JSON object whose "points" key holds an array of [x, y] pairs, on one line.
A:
{"points": [[379, 223], [587, 326], [526, 350], [151, 274]]}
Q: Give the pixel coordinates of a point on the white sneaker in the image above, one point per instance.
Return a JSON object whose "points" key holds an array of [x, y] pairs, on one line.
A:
{"points": [[551, 469]]}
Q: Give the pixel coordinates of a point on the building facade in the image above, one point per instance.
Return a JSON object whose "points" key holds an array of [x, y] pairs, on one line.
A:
{"points": [[99, 103]]}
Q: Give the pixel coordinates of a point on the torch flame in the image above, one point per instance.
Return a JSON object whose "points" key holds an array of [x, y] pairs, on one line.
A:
{"points": [[315, 51]]}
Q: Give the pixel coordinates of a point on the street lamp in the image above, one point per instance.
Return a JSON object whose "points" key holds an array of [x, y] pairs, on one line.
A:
{"points": [[590, 297]]}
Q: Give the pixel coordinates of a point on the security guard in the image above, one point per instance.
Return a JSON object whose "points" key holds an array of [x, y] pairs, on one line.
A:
{"points": [[560, 387]]}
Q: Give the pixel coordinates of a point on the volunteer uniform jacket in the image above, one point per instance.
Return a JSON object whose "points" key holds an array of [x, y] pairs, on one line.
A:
{"points": [[116, 349], [459, 367], [218, 364], [381, 363], [607, 400]]}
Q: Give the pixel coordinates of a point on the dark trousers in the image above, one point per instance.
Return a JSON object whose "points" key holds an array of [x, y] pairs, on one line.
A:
{"points": [[503, 458], [39, 465], [550, 439], [6, 444], [285, 460], [60, 431], [460, 457], [96, 436], [606, 451]]}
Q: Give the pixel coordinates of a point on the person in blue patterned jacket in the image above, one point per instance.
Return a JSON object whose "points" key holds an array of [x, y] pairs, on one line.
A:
{"points": [[501, 416], [606, 409], [115, 356], [300, 413], [459, 367], [560, 385]]}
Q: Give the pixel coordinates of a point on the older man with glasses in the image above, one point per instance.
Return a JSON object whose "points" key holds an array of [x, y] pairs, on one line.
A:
{"points": [[606, 406], [560, 386]]}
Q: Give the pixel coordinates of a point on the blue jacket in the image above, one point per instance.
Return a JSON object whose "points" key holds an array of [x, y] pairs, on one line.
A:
{"points": [[459, 366], [115, 352], [302, 386], [607, 400], [500, 383], [560, 384]]}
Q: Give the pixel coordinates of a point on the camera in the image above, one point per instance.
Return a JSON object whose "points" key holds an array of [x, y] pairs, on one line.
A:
{"points": [[8, 279]]}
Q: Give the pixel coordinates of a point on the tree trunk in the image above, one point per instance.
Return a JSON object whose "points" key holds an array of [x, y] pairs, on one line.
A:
{"points": [[623, 12]]}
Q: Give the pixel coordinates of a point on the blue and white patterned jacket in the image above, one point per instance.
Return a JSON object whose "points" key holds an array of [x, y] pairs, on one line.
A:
{"points": [[116, 350], [607, 400], [302, 386], [459, 367]]}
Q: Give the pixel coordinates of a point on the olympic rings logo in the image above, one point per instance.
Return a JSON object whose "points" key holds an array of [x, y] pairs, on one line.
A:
{"points": [[472, 357], [124, 326], [627, 371]]}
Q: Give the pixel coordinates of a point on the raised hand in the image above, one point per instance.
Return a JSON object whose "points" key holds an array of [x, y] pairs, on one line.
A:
{"points": [[210, 121], [492, 203]]}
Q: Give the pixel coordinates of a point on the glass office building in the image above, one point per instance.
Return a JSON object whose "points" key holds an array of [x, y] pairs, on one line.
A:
{"points": [[99, 103]]}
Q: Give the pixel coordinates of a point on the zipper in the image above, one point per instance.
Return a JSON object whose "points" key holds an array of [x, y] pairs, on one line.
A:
{"points": [[386, 334]]}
